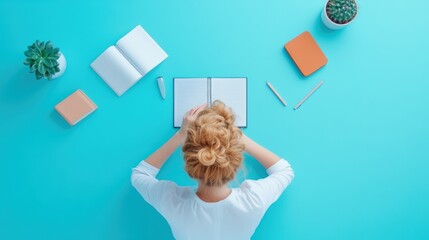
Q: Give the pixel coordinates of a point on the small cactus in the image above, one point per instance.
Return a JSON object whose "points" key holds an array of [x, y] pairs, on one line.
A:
{"points": [[42, 58], [341, 11]]}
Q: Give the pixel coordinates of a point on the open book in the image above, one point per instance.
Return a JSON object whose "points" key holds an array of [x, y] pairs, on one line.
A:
{"points": [[134, 55], [191, 92]]}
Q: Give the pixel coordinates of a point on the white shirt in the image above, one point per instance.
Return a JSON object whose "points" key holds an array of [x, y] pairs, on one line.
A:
{"points": [[235, 217]]}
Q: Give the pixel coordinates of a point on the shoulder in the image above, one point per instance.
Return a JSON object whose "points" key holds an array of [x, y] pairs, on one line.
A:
{"points": [[251, 193], [171, 188], [267, 190], [171, 194], [252, 187], [166, 195]]}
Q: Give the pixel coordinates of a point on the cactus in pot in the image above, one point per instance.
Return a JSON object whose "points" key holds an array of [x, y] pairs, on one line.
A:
{"points": [[339, 13], [44, 60]]}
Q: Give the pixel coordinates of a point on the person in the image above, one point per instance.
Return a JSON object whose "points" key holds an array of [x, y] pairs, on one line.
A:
{"points": [[213, 151]]}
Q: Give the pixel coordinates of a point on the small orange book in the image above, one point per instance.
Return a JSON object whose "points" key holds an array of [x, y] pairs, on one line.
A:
{"points": [[306, 54], [75, 107]]}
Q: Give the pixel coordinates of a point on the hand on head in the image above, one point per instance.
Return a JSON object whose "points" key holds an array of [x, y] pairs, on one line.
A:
{"points": [[189, 117]]}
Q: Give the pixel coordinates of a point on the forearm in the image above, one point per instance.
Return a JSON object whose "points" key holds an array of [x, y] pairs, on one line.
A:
{"points": [[261, 154], [158, 158]]}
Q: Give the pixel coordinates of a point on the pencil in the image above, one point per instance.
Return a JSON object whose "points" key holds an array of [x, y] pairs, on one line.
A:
{"points": [[308, 95], [276, 93]]}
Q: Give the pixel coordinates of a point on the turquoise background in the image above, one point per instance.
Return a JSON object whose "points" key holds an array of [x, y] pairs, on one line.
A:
{"points": [[359, 145]]}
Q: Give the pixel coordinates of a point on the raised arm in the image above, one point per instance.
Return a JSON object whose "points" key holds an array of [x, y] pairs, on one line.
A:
{"points": [[280, 174], [143, 176], [264, 156], [158, 158]]}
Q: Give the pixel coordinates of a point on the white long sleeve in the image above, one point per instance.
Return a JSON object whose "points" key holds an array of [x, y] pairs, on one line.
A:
{"points": [[269, 189], [235, 217], [153, 191]]}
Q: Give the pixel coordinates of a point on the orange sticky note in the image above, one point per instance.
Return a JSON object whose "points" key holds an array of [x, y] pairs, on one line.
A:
{"points": [[306, 54]]}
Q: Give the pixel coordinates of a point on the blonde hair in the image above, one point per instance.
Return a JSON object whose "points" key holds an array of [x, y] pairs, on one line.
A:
{"points": [[212, 149]]}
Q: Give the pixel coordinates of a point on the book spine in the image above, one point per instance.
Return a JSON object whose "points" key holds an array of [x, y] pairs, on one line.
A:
{"points": [[64, 116], [129, 60], [88, 101], [209, 92]]}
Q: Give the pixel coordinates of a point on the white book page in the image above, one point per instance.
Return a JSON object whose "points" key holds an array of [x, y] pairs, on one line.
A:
{"points": [[232, 92], [115, 70], [188, 93], [143, 52]]}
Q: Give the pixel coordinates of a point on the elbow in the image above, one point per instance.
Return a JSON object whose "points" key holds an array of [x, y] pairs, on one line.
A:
{"points": [[290, 174], [133, 178]]}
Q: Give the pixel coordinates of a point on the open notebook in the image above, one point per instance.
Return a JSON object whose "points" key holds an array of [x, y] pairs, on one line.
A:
{"points": [[134, 55], [191, 92]]}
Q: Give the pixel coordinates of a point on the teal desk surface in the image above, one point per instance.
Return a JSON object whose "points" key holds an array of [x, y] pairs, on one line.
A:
{"points": [[359, 145]]}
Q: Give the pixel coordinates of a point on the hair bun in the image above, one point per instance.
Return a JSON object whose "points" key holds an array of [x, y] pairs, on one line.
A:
{"points": [[212, 149], [206, 156]]}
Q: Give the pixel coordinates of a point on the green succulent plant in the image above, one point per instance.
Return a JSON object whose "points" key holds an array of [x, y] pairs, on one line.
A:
{"points": [[42, 58], [341, 11]]}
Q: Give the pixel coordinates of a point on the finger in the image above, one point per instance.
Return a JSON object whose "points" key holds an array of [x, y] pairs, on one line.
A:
{"points": [[195, 109], [188, 113], [200, 108]]}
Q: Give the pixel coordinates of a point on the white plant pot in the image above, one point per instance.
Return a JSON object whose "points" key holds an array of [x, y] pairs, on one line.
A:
{"points": [[333, 25], [62, 64]]}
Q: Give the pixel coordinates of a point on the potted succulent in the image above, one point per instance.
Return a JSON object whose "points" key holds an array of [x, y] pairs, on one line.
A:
{"points": [[45, 60], [339, 13]]}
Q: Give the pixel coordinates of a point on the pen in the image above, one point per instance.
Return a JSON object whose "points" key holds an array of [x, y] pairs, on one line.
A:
{"points": [[161, 86], [308, 95], [276, 93]]}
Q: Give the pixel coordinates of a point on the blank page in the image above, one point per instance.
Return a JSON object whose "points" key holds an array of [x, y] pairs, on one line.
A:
{"points": [[188, 93], [115, 70], [232, 92], [139, 47]]}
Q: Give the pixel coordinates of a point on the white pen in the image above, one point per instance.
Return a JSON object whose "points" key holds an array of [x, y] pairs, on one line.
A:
{"points": [[276, 93], [308, 95], [161, 86]]}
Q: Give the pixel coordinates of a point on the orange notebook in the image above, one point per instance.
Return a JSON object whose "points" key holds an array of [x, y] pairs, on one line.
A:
{"points": [[75, 107], [306, 54]]}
